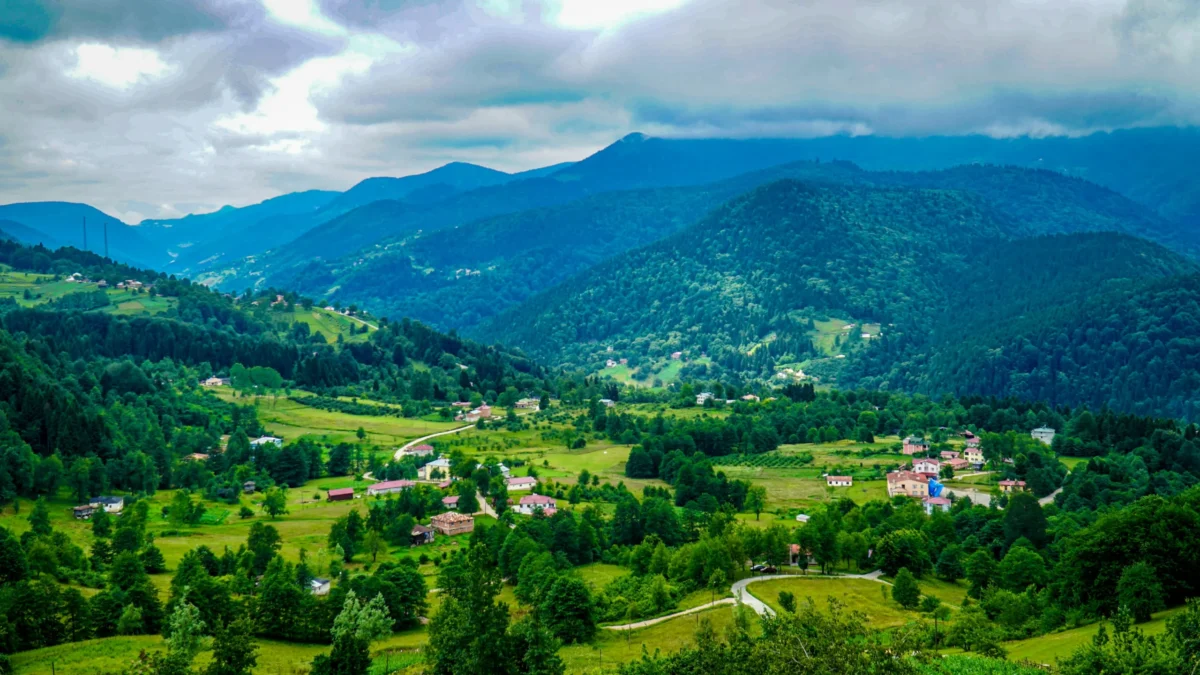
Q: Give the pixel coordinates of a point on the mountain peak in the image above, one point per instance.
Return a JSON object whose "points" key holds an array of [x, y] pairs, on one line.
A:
{"points": [[635, 137]]}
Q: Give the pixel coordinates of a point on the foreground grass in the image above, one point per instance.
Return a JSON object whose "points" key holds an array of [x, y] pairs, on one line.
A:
{"points": [[611, 647], [1047, 648]]}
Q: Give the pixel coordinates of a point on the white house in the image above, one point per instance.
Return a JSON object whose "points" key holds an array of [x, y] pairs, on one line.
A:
{"points": [[440, 464], [801, 517], [1043, 434], [932, 503], [607, 402], [110, 504], [278, 442], [521, 483], [839, 481], [389, 486], [531, 503], [926, 465], [319, 586], [504, 470], [702, 397]]}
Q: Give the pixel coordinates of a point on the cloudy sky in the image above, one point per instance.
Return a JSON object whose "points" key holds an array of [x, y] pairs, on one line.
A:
{"points": [[155, 108]]}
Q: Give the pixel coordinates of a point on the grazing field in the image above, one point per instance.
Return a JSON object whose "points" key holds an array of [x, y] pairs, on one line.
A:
{"points": [[329, 324], [860, 595], [1047, 648], [290, 420], [1072, 462], [611, 647], [43, 288]]}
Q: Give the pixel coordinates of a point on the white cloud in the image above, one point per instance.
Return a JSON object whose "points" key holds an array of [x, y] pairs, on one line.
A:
{"points": [[302, 14], [605, 14], [119, 67]]}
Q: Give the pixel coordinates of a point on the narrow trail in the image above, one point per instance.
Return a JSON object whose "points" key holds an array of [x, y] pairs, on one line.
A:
{"points": [[740, 594], [400, 452]]}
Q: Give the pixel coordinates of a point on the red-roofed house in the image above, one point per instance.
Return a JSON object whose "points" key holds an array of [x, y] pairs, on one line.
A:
{"points": [[926, 465], [418, 451], [948, 454], [915, 446], [531, 503], [388, 486], [341, 494], [1012, 485], [450, 502], [521, 483], [932, 503], [958, 464], [839, 481]]}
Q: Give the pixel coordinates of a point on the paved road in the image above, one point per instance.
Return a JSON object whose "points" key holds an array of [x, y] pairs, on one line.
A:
{"points": [[977, 497], [738, 589], [415, 441], [1049, 499]]}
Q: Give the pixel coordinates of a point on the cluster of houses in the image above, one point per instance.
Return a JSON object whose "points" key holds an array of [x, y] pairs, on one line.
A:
{"points": [[483, 412], [704, 396], [130, 284], [529, 404], [613, 363]]}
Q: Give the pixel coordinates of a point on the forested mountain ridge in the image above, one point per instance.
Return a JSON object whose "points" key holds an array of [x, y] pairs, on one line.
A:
{"points": [[458, 277], [733, 281], [947, 274]]}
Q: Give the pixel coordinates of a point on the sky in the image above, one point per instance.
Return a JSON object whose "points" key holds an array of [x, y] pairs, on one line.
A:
{"points": [[158, 108]]}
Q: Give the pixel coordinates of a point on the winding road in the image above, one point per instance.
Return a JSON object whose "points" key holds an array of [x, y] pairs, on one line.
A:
{"points": [[400, 452], [740, 594]]}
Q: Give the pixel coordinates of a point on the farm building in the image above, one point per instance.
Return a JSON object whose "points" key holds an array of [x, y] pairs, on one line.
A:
{"points": [[249, 487], [839, 481], [109, 504], [264, 440], [421, 535], [915, 446], [926, 465], [1012, 485], [440, 466], [450, 502], [907, 483], [389, 486], [948, 454], [422, 450], [341, 495], [521, 483], [84, 511], [532, 503], [1043, 434], [939, 503], [451, 523], [319, 586]]}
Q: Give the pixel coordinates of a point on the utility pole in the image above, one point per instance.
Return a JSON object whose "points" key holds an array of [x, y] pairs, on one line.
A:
{"points": [[85, 233], [106, 239]]}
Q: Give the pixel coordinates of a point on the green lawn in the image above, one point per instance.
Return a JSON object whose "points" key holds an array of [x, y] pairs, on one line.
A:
{"points": [[1047, 648], [328, 325], [611, 647], [290, 420], [859, 595]]}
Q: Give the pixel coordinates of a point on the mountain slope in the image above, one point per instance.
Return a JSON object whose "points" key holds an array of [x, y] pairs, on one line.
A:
{"points": [[941, 272], [455, 278], [64, 222], [231, 233], [458, 176], [743, 282], [26, 235]]}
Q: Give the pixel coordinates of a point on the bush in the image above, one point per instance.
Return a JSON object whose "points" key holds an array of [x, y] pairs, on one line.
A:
{"points": [[245, 512]]}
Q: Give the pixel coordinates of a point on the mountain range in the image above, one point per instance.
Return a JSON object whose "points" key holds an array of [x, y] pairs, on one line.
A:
{"points": [[740, 255]]}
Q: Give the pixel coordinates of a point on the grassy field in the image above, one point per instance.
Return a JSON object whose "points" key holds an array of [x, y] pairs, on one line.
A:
{"points": [[290, 420], [860, 595], [327, 324], [611, 647], [665, 370], [45, 289], [1072, 462], [1047, 648]]}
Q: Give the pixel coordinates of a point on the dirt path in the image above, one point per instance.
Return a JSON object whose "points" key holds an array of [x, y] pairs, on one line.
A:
{"points": [[740, 594], [400, 452]]}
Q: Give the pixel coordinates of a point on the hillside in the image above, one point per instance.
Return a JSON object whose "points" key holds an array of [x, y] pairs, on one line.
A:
{"points": [[11, 229], [946, 275], [63, 223], [458, 277]]}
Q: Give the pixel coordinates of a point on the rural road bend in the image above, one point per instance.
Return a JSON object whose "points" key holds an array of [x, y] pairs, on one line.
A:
{"points": [[745, 597], [415, 441]]}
